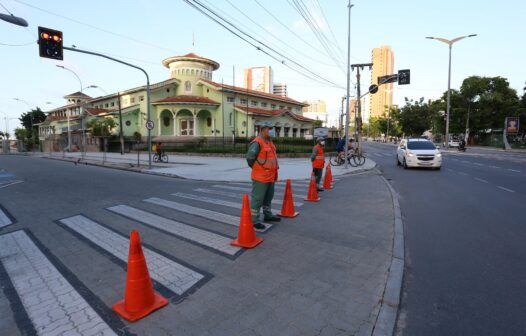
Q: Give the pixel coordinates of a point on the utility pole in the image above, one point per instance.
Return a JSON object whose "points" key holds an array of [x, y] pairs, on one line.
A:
{"points": [[359, 101], [121, 137], [349, 6]]}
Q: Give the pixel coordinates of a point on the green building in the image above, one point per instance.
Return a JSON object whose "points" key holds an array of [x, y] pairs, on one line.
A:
{"points": [[187, 106]]}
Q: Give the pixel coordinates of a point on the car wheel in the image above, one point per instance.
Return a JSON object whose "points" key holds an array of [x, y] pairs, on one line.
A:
{"points": [[397, 161], [405, 164], [438, 168]]}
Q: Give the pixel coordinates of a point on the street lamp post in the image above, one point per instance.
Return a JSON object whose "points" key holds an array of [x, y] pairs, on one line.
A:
{"points": [[448, 106], [81, 111], [31, 119]]}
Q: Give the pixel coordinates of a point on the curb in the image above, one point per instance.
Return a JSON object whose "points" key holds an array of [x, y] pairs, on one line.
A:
{"points": [[386, 320]]}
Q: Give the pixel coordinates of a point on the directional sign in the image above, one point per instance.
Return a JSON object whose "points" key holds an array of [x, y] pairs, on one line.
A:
{"points": [[149, 124], [404, 77], [387, 79]]}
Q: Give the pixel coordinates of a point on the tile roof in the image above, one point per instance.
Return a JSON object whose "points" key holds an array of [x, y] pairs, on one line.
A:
{"points": [[274, 113], [57, 118], [187, 99], [254, 92], [96, 111], [78, 94]]}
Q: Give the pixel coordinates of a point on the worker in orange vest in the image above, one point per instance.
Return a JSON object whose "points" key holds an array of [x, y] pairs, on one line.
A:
{"points": [[263, 160], [318, 160]]}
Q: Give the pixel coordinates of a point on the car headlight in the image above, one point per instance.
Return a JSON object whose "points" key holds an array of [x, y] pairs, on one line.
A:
{"points": [[410, 154], [439, 155]]}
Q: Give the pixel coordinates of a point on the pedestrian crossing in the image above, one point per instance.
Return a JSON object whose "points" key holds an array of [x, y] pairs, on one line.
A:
{"points": [[203, 216]]}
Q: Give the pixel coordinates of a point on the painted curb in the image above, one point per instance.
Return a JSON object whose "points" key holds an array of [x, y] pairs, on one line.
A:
{"points": [[390, 304]]}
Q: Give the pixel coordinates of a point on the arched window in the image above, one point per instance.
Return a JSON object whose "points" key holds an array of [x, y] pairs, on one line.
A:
{"points": [[209, 122], [187, 86], [230, 119], [166, 121]]}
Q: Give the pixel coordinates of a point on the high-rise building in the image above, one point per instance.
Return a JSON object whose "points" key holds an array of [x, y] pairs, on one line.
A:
{"points": [[280, 89], [259, 79], [316, 110], [383, 64]]}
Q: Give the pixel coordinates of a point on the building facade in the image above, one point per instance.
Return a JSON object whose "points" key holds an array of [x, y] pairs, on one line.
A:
{"points": [[187, 105], [280, 89], [383, 64], [317, 110], [259, 79]]}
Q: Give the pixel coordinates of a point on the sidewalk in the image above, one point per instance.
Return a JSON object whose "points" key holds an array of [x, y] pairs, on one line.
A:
{"points": [[202, 168]]}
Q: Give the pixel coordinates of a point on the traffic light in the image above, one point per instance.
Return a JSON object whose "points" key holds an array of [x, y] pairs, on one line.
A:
{"points": [[50, 43], [404, 77]]}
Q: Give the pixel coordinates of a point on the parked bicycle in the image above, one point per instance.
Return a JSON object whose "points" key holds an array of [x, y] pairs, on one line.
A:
{"points": [[354, 157], [160, 158]]}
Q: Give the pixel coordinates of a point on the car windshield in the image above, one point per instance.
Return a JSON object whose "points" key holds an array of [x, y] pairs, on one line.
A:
{"points": [[420, 145]]}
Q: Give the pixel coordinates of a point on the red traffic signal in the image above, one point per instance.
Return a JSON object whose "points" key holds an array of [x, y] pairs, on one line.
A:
{"points": [[50, 43]]}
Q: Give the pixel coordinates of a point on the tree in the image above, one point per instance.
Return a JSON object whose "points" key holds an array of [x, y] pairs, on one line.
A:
{"points": [[102, 127], [29, 120], [416, 117]]}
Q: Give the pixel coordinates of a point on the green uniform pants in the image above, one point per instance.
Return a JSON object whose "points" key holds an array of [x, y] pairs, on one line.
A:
{"points": [[262, 194], [318, 172]]}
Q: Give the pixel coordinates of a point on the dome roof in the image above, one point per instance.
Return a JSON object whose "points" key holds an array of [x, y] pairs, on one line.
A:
{"points": [[191, 57]]}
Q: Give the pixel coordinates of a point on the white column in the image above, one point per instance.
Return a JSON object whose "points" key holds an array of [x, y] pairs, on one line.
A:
{"points": [[159, 125], [195, 125], [175, 123], [213, 125]]}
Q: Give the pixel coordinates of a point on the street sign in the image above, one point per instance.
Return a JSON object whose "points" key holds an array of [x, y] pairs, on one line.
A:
{"points": [[149, 125], [373, 88], [322, 132], [387, 79], [404, 77]]}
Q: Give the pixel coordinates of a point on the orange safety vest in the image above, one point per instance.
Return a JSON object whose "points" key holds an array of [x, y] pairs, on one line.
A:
{"points": [[265, 169], [319, 160]]}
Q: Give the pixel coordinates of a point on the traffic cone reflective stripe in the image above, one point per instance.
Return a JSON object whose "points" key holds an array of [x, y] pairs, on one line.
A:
{"points": [[327, 182], [287, 208], [312, 195], [139, 297], [246, 236]]}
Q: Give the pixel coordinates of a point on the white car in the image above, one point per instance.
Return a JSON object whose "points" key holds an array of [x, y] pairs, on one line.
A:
{"points": [[418, 153]]}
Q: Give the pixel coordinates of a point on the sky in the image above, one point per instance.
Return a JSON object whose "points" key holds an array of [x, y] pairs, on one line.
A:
{"points": [[146, 32]]}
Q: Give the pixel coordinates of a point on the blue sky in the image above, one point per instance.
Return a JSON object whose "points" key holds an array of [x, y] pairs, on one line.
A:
{"points": [[146, 32]]}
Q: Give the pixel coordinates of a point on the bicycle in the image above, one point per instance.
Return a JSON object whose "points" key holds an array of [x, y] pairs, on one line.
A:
{"points": [[160, 158], [354, 158]]}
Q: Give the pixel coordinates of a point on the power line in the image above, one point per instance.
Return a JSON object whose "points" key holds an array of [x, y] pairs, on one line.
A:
{"points": [[304, 71], [274, 36], [329, 25], [96, 28]]}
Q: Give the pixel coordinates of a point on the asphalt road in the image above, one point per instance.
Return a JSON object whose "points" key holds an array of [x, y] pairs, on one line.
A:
{"points": [[464, 241]]}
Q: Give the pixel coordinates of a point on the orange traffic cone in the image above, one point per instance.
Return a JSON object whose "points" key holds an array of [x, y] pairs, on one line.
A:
{"points": [[139, 297], [327, 182], [287, 208], [312, 195], [246, 236]]}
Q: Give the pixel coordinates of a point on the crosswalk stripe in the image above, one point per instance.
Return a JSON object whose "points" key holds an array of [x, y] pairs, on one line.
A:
{"points": [[172, 275], [229, 194], [202, 237], [277, 186], [209, 214], [51, 302], [248, 190], [4, 218]]}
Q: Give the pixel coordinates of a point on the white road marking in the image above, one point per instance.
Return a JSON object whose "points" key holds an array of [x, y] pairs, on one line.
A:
{"points": [[481, 180], [462, 173], [248, 190], [277, 187], [4, 220], [478, 164], [209, 214], [174, 276], [496, 167], [201, 237], [506, 189], [514, 170], [10, 183], [51, 302], [234, 195]]}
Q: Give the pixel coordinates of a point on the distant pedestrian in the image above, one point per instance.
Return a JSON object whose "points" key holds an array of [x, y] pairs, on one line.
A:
{"points": [[263, 160], [318, 160]]}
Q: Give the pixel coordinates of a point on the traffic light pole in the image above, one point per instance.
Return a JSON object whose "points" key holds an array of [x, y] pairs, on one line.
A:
{"points": [[147, 93], [359, 102]]}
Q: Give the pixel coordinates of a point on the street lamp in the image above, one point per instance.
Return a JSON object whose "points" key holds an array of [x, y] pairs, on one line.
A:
{"points": [[448, 107], [67, 115], [96, 87]]}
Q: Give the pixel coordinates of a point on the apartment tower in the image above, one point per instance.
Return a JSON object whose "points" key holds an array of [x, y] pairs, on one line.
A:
{"points": [[383, 64]]}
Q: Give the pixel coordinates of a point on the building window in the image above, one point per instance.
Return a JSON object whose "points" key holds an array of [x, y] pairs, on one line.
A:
{"points": [[264, 104], [209, 122], [272, 106], [188, 87], [281, 107], [128, 123], [112, 103], [253, 103], [166, 121], [243, 101], [167, 90], [106, 105], [289, 108], [141, 98], [132, 100], [230, 119], [230, 99]]}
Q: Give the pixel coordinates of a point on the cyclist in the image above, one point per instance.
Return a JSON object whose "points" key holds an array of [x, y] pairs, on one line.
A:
{"points": [[158, 149], [340, 147]]}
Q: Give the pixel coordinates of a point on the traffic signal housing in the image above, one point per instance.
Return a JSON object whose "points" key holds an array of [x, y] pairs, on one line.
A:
{"points": [[404, 77], [50, 43]]}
